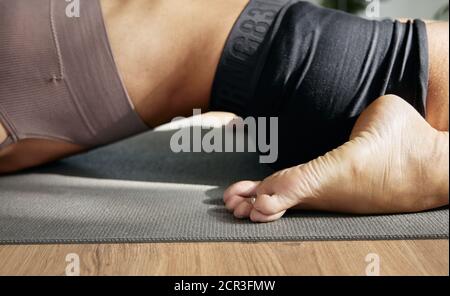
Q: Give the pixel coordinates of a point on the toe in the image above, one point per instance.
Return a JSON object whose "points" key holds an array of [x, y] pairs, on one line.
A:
{"points": [[272, 204], [243, 188], [234, 201], [259, 217], [243, 210]]}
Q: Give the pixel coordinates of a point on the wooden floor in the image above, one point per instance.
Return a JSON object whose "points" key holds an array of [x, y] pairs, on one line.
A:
{"points": [[301, 258]]}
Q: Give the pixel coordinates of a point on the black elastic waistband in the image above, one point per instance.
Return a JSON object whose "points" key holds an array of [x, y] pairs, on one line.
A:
{"points": [[243, 56]]}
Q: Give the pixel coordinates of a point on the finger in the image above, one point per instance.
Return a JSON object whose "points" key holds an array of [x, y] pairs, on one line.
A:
{"points": [[243, 188]]}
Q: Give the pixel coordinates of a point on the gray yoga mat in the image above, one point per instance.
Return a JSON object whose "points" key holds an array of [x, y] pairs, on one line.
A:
{"points": [[139, 191]]}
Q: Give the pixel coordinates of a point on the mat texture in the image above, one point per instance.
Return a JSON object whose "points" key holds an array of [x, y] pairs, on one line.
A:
{"points": [[139, 191]]}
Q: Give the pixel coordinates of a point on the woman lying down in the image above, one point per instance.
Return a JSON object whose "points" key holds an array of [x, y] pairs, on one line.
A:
{"points": [[362, 105]]}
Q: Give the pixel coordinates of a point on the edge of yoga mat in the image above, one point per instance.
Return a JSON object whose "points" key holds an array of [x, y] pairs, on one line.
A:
{"points": [[101, 205], [115, 168], [222, 240]]}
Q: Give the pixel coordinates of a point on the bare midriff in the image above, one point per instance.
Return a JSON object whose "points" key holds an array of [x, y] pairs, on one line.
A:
{"points": [[167, 51]]}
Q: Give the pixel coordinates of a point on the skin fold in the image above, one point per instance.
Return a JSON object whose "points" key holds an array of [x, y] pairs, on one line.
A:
{"points": [[168, 65]]}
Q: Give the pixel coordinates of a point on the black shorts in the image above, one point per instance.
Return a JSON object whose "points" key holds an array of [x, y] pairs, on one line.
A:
{"points": [[316, 69]]}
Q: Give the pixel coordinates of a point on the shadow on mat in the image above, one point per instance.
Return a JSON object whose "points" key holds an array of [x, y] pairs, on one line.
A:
{"points": [[221, 213], [149, 158]]}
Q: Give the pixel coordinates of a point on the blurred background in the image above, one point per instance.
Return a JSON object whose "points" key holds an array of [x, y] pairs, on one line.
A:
{"points": [[425, 9]]}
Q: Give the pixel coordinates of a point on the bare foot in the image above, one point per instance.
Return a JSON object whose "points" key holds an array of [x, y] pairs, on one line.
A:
{"points": [[394, 162]]}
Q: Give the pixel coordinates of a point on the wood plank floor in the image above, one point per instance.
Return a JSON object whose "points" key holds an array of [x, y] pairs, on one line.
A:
{"points": [[298, 258]]}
